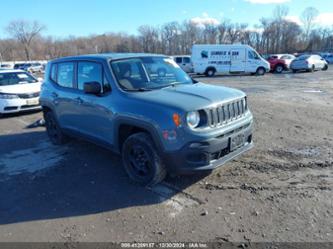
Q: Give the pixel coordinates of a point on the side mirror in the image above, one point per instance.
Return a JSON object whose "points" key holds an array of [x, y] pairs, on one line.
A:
{"points": [[92, 87]]}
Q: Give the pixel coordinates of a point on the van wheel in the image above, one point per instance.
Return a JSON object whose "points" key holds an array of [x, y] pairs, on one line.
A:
{"points": [[142, 161], [210, 72], [260, 71], [53, 129], [278, 69], [325, 67]]}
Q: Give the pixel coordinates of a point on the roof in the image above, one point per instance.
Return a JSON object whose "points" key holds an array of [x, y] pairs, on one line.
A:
{"points": [[109, 56], [12, 71]]}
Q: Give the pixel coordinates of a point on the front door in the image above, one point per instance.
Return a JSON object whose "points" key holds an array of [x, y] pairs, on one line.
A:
{"points": [[237, 60], [94, 113]]}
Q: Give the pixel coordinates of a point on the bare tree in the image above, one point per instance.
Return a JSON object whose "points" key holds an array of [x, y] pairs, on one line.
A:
{"points": [[308, 18], [25, 32]]}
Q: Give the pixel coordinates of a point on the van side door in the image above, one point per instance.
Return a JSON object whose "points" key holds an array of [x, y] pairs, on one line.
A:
{"points": [[237, 60]]}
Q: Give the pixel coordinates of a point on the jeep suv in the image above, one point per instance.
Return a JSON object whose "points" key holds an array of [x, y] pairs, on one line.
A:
{"points": [[146, 108]]}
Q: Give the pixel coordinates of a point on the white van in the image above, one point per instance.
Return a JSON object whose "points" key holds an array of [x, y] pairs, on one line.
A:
{"points": [[184, 61], [212, 59]]}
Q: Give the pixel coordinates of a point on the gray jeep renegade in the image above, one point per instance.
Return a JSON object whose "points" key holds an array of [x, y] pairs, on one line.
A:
{"points": [[146, 108]]}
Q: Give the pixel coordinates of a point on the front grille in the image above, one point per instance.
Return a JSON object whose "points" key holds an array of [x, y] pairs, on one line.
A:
{"points": [[227, 112], [28, 95]]}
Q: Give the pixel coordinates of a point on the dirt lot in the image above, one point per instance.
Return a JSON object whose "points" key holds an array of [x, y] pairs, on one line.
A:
{"points": [[282, 190]]}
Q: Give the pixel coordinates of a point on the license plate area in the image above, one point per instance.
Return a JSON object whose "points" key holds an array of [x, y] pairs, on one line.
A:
{"points": [[32, 102], [237, 141]]}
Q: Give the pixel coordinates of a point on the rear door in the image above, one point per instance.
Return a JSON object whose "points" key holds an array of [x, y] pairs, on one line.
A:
{"points": [[237, 60]]}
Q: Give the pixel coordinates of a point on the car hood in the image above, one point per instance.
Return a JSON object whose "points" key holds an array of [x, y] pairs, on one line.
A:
{"points": [[21, 88], [190, 97]]}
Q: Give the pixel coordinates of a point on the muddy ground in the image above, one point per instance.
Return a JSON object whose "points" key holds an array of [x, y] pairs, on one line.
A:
{"points": [[282, 190]]}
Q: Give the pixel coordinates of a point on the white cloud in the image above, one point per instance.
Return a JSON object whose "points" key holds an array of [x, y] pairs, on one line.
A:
{"points": [[267, 1], [294, 19], [203, 20], [325, 19]]}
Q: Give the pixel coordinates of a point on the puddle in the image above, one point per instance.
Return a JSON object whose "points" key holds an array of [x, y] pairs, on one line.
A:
{"points": [[44, 155]]}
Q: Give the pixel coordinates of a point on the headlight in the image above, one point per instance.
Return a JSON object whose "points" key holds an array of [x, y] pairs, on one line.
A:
{"points": [[8, 96], [193, 119]]}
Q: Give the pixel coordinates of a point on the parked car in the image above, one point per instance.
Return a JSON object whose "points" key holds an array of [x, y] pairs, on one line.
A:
{"points": [[33, 67], [6, 66], [159, 123], [277, 65], [308, 63], [19, 65], [288, 58], [280, 62], [19, 91], [212, 59], [329, 58], [184, 61]]}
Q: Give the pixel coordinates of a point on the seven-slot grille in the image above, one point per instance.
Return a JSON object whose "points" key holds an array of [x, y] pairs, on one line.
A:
{"points": [[225, 113]]}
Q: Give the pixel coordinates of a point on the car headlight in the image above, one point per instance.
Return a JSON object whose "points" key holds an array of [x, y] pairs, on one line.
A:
{"points": [[193, 119], [8, 96]]}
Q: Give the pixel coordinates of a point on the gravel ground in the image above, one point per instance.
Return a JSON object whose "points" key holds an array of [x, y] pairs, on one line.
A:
{"points": [[281, 191]]}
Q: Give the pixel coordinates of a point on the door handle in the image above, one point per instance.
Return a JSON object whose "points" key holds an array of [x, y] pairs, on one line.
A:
{"points": [[79, 100]]}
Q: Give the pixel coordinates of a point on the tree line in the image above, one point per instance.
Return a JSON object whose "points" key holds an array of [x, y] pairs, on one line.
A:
{"points": [[276, 34]]}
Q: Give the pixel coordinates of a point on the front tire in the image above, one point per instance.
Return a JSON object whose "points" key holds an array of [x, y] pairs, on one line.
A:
{"points": [[278, 69], [260, 71], [325, 67], [53, 129], [141, 160]]}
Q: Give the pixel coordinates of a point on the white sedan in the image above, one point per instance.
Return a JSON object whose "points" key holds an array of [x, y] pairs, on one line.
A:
{"points": [[19, 91]]}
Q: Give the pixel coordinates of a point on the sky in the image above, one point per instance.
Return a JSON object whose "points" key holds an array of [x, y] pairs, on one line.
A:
{"points": [[64, 18]]}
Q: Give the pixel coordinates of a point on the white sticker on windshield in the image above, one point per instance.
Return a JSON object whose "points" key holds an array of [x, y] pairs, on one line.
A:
{"points": [[22, 76]]}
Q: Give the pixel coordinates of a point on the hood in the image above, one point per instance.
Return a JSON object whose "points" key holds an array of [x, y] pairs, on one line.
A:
{"points": [[21, 88], [190, 97]]}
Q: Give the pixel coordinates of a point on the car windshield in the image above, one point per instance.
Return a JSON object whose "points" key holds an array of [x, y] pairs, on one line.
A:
{"points": [[148, 73], [7, 79]]}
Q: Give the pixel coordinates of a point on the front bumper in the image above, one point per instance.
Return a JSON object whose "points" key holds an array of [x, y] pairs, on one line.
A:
{"points": [[18, 105], [208, 154]]}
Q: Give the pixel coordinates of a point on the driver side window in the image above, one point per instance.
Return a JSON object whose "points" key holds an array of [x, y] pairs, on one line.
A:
{"points": [[89, 72], [253, 55]]}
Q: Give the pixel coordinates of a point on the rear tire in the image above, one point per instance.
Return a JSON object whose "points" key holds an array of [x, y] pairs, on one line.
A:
{"points": [[53, 129], [325, 68], [141, 160], [260, 71], [313, 68]]}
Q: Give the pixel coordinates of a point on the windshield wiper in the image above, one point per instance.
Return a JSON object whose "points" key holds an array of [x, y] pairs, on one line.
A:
{"points": [[141, 89]]}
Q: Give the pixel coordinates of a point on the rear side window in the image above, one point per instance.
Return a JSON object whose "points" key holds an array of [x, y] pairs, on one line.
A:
{"points": [[53, 74], [65, 74], [178, 59], [89, 72]]}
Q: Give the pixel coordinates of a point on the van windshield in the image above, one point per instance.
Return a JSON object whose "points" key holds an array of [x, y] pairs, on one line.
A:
{"points": [[148, 73]]}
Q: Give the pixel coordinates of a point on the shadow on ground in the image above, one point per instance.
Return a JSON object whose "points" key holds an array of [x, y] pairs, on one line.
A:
{"points": [[54, 182]]}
